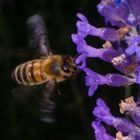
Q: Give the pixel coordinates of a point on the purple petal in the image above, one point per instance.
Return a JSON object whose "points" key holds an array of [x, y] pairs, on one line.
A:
{"points": [[77, 39], [138, 53], [132, 19], [138, 78], [123, 125], [103, 112], [94, 78], [134, 136], [88, 71], [117, 80], [123, 10], [89, 51], [116, 23], [107, 11], [110, 34], [103, 116], [135, 6], [128, 61], [85, 29], [133, 45], [101, 103], [82, 17], [131, 49], [81, 61], [92, 90], [97, 126], [109, 54], [135, 114], [100, 132]]}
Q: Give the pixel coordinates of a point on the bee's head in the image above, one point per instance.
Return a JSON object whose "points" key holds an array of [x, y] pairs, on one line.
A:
{"points": [[68, 66]]}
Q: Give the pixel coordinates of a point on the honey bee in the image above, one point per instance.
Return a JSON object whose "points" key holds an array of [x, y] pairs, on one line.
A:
{"points": [[49, 68], [52, 68]]}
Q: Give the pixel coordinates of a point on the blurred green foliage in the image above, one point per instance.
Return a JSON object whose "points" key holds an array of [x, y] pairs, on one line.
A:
{"points": [[74, 108]]}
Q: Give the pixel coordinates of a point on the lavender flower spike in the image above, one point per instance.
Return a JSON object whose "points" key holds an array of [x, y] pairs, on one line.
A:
{"points": [[121, 48], [124, 51], [127, 130], [102, 112]]}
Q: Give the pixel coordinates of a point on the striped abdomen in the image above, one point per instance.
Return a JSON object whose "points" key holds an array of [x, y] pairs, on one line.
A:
{"points": [[31, 73]]}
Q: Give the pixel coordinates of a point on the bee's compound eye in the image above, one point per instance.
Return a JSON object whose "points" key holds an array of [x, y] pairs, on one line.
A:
{"points": [[65, 69]]}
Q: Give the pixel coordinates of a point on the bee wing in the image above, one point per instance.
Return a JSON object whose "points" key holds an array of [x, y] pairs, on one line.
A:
{"points": [[22, 93], [47, 103], [37, 99], [26, 100], [39, 34]]}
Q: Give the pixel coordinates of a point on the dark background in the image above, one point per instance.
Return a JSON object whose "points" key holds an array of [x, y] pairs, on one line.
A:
{"points": [[18, 119]]}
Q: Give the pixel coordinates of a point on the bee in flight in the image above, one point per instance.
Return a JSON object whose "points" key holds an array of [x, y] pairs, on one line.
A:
{"points": [[49, 68]]}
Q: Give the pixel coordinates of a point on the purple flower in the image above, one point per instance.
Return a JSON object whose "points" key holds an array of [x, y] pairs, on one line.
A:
{"points": [[134, 46], [100, 132], [102, 53], [102, 112], [120, 14], [93, 80], [84, 29], [123, 125]]}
